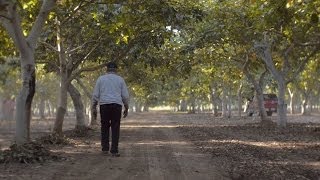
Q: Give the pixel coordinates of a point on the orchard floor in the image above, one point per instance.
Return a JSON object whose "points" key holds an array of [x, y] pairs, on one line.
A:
{"points": [[160, 145]]}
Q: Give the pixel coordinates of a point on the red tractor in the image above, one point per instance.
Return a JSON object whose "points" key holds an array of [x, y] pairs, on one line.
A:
{"points": [[270, 102]]}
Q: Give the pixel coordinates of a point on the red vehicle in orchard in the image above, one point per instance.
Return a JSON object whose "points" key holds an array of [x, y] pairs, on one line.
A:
{"points": [[270, 102]]}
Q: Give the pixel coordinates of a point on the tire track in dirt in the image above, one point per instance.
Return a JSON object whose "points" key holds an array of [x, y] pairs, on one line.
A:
{"points": [[168, 155], [150, 159], [96, 165], [137, 167]]}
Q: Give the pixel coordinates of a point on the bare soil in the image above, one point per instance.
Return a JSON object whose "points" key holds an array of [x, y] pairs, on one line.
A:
{"points": [[159, 145]]}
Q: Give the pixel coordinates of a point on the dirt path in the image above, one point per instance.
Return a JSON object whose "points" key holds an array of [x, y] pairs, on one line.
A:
{"points": [[150, 147]]}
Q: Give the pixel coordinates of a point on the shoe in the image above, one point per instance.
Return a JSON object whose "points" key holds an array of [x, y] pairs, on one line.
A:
{"points": [[115, 154], [105, 152]]}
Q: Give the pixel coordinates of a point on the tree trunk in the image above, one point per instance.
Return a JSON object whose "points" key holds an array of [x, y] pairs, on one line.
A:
{"points": [[1, 108], [64, 83], [264, 51], [258, 87], [239, 100], [306, 95], [282, 107], [49, 108], [246, 105], [214, 99], [138, 106], [199, 106], [131, 109], [183, 105], [303, 107], [192, 103], [78, 105], [24, 102], [93, 120], [62, 107], [311, 102], [224, 102], [146, 107], [42, 107], [260, 100], [291, 101], [229, 104]]}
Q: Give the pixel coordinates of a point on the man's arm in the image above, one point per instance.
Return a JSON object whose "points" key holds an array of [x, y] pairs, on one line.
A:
{"points": [[94, 110], [95, 99], [125, 112], [125, 99]]}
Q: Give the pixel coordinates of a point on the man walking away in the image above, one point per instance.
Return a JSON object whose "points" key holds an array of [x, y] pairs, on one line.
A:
{"points": [[111, 93]]}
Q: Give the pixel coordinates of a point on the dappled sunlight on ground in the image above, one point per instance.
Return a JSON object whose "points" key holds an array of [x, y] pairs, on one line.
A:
{"points": [[315, 164], [269, 144], [147, 126], [160, 143]]}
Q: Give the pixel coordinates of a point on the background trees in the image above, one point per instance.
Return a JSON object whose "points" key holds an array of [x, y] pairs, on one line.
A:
{"points": [[187, 54], [268, 32]]}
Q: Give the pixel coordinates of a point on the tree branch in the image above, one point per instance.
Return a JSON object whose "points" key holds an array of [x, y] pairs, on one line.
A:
{"points": [[263, 50], [303, 64], [15, 30], [306, 60], [286, 64], [246, 64], [261, 79], [87, 69], [5, 17], [74, 64], [246, 72], [77, 8], [53, 64], [46, 7], [81, 46], [315, 43], [49, 46], [84, 88]]}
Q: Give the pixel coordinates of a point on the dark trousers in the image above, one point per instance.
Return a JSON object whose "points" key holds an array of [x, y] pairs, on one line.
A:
{"points": [[110, 117]]}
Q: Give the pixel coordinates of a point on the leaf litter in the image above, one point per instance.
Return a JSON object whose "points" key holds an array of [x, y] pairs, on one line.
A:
{"points": [[252, 150]]}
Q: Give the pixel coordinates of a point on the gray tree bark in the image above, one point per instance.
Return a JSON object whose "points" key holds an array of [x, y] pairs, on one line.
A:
{"points": [[192, 103], [305, 101], [239, 93], [93, 120], [229, 103], [291, 94], [264, 51], [214, 98], [258, 87], [64, 85], [138, 106], [78, 105], [48, 105], [224, 102], [10, 19], [42, 106], [183, 105]]}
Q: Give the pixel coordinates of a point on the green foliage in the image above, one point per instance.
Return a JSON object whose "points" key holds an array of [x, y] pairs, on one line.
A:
{"points": [[309, 80], [9, 73], [7, 46], [172, 50]]}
